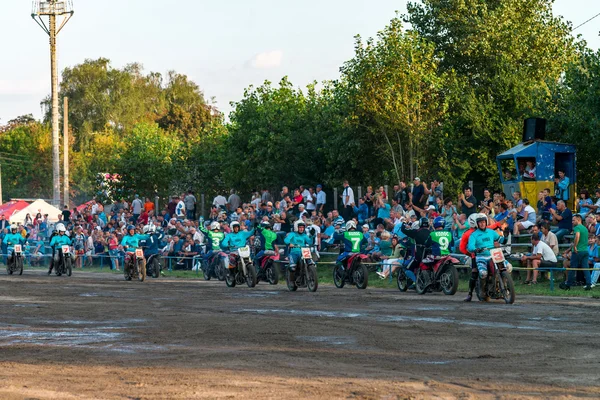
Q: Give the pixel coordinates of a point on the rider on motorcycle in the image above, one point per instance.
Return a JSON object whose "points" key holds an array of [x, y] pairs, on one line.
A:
{"points": [[441, 240], [12, 239], [296, 240], [58, 240], [214, 237], [237, 238], [480, 242], [130, 242], [352, 240], [267, 239], [150, 240], [422, 239]]}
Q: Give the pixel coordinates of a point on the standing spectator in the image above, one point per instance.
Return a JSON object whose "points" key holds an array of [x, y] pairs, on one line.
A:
{"points": [[467, 202], [369, 200], [448, 212], [4, 224], [136, 206], [172, 206], [220, 201], [311, 200], [266, 196], [284, 192], [148, 205], [561, 190], [234, 201], [402, 195], [180, 209], [321, 199], [189, 201], [347, 201], [66, 214], [580, 255], [487, 203], [418, 193], [113, 251], [584, 203]]}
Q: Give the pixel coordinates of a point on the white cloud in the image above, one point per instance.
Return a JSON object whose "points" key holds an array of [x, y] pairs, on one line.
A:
{"points": [[268, 59]]}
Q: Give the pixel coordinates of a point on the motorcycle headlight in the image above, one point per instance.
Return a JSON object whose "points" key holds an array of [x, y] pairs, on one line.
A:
{"points": [[509, 267]]}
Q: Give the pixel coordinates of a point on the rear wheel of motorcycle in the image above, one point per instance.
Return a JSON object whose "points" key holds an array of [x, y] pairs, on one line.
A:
{"points": [[155, 268], [230, 278], [69, 266], [141, 266], [272, 273], [221, 269], [338, 276], [312, 281], [402, 281], [19, 262], [251, 277], [422, 282], [509, 288], [361, 276], [291, 283], [449, 280]]}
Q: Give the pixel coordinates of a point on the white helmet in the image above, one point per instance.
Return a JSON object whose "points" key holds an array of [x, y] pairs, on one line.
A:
{"points": [[350, 225], [214, 225], [149, 228], [59, 228], [299, 223], [146, 228], [234, 224], [13, 227], [473, 219]]}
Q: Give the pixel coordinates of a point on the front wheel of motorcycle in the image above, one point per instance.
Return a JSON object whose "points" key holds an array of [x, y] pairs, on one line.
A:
{"points": [[290, 279], [155, 268], [221, 269], [230, 277], [338, 276], [509, 288], [422, 282], [19, 262], [272, 273], [312, 281], [402, 281], [69, 266], [251, 277]]}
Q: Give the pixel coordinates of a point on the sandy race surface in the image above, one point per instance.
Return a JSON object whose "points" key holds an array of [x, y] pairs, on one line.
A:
{"points": [[97, 336]]}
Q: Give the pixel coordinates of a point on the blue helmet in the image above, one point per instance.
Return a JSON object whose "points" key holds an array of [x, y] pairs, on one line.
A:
{"points": [[439, 222], [130, 227]]}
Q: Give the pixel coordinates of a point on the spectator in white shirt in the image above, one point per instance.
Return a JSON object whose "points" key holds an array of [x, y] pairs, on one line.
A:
{"points": [[541, 256], [311, 200], [347, 201], [220, 201]]}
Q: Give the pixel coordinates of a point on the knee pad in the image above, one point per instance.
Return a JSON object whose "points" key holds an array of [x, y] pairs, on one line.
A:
{"points": [[509, 267]]}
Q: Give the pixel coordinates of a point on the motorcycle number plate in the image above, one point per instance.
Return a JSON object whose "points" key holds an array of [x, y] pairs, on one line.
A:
{"points": [[65, 249], [497, 255], [139, 253], [18, 248], [244, 252], [306, 253]]}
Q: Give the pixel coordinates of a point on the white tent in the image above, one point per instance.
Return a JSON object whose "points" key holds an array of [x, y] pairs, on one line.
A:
{"points": [[38, 206]]}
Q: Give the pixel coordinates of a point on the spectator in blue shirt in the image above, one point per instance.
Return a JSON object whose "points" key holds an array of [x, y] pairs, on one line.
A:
{"points": [[362, 211], [564, 216]]}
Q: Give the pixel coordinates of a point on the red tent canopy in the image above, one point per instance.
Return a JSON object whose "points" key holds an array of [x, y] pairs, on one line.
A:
{"points": [[84, 206], [12, 207]]}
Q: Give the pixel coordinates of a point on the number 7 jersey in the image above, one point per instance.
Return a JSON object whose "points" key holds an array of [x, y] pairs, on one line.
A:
{"points": [[442, 242]]}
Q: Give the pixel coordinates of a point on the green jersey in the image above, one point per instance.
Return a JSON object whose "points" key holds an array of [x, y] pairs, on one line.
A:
{"points": [[442, 241]]}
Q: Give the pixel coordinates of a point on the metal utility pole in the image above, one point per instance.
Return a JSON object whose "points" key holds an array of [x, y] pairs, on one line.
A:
{"points": [[53, 9], [66, 151]]}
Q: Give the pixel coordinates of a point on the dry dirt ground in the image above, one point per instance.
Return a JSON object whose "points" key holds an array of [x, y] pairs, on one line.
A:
{"points": [[97, 336]]}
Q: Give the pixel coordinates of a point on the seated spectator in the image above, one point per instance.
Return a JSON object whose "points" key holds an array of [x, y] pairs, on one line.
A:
{"points": [[529, 218], [595, 262], [548, 237], [564, 217], [541, 256], [584, 202]]}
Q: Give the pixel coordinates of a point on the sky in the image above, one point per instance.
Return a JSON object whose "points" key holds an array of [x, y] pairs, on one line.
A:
{"points": [[224, 46]]}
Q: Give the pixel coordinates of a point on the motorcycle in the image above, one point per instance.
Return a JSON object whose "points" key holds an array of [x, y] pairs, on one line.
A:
{"points": [[16, 265], [65, 261], [438, 274], [153, 265], [136, 267], [267, 270], [402, 280], [215, 267], [354, 272], [305, 274], [498, 284], [240, 268]]}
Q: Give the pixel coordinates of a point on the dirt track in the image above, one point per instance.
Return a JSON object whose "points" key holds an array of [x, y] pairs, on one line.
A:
{"points": [[97, 336]]}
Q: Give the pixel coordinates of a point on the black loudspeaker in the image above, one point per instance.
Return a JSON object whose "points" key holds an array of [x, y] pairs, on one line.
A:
{"points": [[534, 129]]}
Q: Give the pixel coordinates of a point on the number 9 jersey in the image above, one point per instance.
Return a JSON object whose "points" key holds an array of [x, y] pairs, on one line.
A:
{"points": [[442, 242]]}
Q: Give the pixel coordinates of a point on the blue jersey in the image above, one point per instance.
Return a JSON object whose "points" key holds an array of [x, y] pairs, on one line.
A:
{"points": [[298, 240], [483, 239], [131, 241], [13, 238], [234, 241], [151, 243], [59, 240]]}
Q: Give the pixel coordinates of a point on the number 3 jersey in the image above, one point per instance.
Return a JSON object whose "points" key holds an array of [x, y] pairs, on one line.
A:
{"points": [[442, 242]]}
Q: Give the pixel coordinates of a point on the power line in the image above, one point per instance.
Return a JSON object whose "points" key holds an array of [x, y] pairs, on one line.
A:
{"points": [[13, 154], [580, 25]]}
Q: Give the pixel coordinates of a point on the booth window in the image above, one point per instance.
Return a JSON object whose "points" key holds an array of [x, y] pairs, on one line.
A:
{"points": [[527, 168], [509, 171]]}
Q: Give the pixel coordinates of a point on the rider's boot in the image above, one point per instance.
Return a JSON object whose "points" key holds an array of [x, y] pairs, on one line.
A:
{"points": [[472, 284]]}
